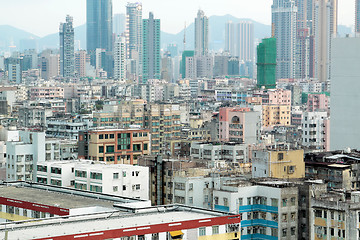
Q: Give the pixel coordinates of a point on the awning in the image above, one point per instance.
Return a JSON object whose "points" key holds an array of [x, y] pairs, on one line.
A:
{"points": [[175, 234]]}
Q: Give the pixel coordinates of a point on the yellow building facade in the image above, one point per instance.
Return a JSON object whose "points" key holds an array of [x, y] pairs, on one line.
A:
{"points": [[287, 164], [276, 115]]}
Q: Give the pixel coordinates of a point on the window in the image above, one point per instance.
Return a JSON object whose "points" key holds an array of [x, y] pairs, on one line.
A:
{"points": [[145, 146], [284, 232], [137, 147], [274, 232], [202, 231], [280, 156], [116, 175], [293, 216], [101, 149], [215, 230], [106, 136], [94, 188], [112, 136], [110, 149], [101, 136], [293, 200], [226, 204], [115, 188], [284, 217], [56, 170], [80, 173], [284, 202], [42, 168], [95, 175], [293, 229], [191, 186], [318, 213], [216, 199], [191, 201], [240, 201], [124, 187], [124, 173], [179, 186]]}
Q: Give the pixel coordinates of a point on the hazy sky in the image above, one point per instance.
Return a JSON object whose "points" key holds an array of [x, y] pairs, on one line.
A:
{"points": [[42, 17]]}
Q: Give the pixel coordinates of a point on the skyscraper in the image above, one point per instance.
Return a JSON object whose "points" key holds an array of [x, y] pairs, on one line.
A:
{"points": [[230, 45], [67, 55], [133, 31], [357, 16], [151, 49], [325, 28], [120, 58], [81, 59], [99, 26], [201, 33], [305, 43], [266, 63], [240, 40], [284, 13]]}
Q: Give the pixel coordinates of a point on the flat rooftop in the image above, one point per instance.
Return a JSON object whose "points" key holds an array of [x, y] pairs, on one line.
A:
{"points": [[60, 197], [123, 222]]}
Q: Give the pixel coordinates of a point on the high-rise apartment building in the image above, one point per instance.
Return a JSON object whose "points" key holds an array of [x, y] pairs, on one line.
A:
{"points": [[284, 13], [133, 31], [305, 44], [266, 63], [201, 33], [120, 58], [357, 16], [239, 40], [151, 49], [67, 56], [81, 60], [49, 64], [325, 28], [99, 26]]}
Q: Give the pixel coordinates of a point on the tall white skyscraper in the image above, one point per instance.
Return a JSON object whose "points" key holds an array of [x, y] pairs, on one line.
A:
{"points": [[357, 16], [284, 13], [133, 31], [120, 58], [324, 29], [201, 33], [67, 54], [239, 40], [230, 45]]}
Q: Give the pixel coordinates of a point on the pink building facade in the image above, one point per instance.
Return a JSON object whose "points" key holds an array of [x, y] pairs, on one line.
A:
{"points": [[274, 96], [317, 102], [46, 93], [241, 125]]}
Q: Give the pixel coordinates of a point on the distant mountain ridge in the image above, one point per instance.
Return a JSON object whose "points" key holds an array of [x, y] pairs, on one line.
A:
{"points": [[11, 36]]}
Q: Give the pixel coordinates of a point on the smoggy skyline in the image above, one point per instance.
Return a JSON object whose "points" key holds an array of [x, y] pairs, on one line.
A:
{"points": [[42, 17]]}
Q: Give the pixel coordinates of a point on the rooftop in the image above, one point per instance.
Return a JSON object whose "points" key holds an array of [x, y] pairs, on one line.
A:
{"points": [[121, 222], [59, 197]]}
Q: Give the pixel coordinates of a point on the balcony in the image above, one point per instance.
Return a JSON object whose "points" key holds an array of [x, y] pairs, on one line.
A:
{"points": [[259, 222], [258, 207], [221, 208], [258, 236]]}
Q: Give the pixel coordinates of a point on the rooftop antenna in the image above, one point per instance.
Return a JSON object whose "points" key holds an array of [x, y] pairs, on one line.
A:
{"points": [[185, 37]]}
